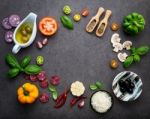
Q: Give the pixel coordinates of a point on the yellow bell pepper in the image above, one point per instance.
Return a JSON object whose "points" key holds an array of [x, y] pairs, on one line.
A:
{"points": [[27, 93]]}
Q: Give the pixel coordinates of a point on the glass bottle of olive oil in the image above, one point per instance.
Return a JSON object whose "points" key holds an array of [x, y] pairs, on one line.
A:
{"points": [[24, 33]]}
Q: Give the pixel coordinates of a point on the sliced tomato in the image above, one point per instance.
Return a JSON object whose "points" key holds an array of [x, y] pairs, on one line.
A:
{"points": [[48, 26]]}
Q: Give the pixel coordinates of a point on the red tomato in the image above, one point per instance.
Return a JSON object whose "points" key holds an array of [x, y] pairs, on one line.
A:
{"points": [[48, 26]]}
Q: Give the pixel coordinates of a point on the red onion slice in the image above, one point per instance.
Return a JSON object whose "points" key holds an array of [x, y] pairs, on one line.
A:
{"points": [[41, 76], [14, 20], [44, 84], [6, 24], [44, 98], [55, 80], [9, 36]]}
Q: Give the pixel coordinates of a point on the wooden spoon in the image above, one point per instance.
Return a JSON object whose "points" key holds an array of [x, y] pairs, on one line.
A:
{"points": [[94, 20], [103, 24]]}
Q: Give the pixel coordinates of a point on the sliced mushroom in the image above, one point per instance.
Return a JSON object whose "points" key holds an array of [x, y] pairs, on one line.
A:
{"points": [[122, 56], [115, 38], [127, 45], [117, 47]]}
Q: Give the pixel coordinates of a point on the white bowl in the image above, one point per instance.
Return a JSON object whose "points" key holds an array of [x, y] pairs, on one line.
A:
{"points": [[136, 91]]}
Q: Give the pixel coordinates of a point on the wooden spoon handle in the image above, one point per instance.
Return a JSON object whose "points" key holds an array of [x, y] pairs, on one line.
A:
{"points": [[99, 12], [107, 15]]}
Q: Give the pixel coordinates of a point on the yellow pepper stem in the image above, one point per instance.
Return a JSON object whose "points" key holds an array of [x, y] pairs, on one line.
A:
{"points": [[26, 93]]}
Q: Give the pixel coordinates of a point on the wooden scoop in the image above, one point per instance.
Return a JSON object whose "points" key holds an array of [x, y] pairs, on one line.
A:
{"points": [[94, 20], [103, 24]]}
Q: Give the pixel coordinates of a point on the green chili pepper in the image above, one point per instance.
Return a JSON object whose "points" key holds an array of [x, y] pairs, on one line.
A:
{"points": [[133, 23], [67, 22]]}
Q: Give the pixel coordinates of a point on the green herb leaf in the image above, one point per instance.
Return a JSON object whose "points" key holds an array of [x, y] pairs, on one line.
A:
{"points": [[51, 88], [136, 58], [128, 61], [98, 84], [13, 72], [142, 50], [133, 50], [54, 95], [12, 61], [32, 69], [93, 87], [26, 60]]}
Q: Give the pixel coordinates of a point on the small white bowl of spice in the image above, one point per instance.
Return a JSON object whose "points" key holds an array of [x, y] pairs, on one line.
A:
{"points": [[101, 101]]}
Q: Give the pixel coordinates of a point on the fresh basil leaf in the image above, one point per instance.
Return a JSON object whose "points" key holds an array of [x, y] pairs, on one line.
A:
{"points": [[54, 95], [32, 69], [128, 61], [13, 72], [136, 58], [142, 50], [26, 60], [133, 50], [51, 88], [12, 61], [93, 87], [98, 84]]}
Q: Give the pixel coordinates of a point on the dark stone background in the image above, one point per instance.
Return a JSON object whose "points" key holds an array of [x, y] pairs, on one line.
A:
{"points": [[75, 55]]}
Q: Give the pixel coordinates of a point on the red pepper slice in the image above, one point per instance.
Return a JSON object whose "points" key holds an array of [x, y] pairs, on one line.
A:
{"points": [[60, 101], [75, 100]]}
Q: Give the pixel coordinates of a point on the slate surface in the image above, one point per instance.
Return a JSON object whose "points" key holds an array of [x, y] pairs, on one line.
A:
{"points": [[75, 55]]}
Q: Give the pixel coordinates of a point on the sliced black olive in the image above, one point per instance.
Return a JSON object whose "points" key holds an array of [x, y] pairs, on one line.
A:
{"points": [[130, 91]]}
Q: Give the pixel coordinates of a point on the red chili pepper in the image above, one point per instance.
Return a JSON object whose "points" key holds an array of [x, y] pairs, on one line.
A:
{"points": [[75, 100], [60, 101]]}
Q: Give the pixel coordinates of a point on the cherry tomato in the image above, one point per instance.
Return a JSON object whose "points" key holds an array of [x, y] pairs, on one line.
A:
{"points": [[48, 26]]}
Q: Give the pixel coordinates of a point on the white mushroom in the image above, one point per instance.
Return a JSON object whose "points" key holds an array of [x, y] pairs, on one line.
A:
{"points": [[115, 38], [122, 56], [127, 45], [117, 47]]}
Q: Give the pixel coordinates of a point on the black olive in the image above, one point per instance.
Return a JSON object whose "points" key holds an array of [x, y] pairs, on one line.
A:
{"points": [[130, 91], [121, 82], [132, 85], [127, 83], [122, 90]]}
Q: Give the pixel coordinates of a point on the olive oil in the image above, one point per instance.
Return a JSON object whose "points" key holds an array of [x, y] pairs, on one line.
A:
{"points": [[24, 33]]}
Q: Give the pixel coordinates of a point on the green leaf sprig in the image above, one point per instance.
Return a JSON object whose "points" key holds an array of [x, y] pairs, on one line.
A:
{"points": [[24, 66], [53, 91], [135, 56], [96, 86]]}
